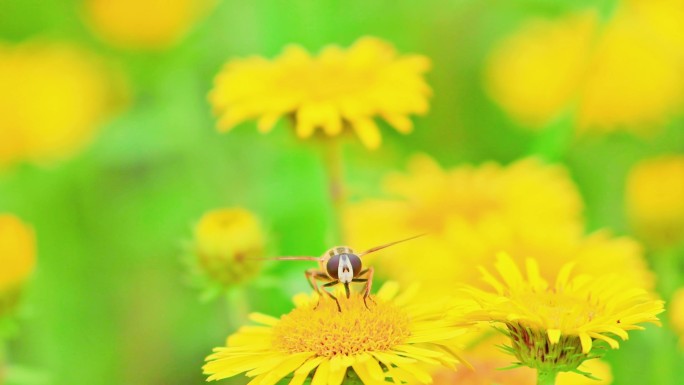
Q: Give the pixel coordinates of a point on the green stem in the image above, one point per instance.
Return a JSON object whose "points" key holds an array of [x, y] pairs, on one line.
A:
{"points": [[553, 141], [3, 362], [238, 307], [546, 377], [335, 174]]}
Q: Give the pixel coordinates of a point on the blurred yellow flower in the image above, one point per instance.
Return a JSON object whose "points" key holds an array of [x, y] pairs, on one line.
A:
{"points": [[399, 337], [227, 243], [144, 24], [676, 312], [625, 74], [535, 73], [655, 199], [553, 327], [52, 100], [17, 259], [472, 213], [337, 90]]}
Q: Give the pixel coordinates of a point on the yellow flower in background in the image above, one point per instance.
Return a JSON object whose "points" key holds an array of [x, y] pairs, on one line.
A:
{"points": [[627, 73], [337, 90], [655, 199], [53, 98], [536, 72], [633, 81], [227, 244], [17, 259], [472, 213], [676, 313], [399, 337], [553, 326], [144, 24]]}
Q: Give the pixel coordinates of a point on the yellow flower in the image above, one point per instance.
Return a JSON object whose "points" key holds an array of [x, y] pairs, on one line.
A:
{"points": [[535, 72], [17, 258], [52, 100], [227, 243], [553, 327], [472, 213], [655, 199], [624, 74], [398, 337], [337, 90], [676, 312], [144, 24]]}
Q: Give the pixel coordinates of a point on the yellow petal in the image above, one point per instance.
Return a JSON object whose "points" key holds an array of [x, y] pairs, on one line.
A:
{"points": [[554, 335], [368, 132]]}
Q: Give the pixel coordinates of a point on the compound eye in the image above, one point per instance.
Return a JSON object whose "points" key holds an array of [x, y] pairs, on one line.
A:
{"points": [[331, 266], [356, 263]]}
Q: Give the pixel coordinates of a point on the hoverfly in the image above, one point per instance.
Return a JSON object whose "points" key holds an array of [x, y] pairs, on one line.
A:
{"points": [[341, 265]]}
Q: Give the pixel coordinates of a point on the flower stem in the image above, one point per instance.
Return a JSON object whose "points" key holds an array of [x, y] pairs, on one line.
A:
{"points": [[3, 362], [553, 141], [238, 307], [333, 163], [546, 377]]}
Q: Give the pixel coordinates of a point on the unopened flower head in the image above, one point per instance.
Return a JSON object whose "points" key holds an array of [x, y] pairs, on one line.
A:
{"points": [[621, 73], [655, 200], [336, 91], [554, 326], [397, 337], [228, 243], [144, 24], [53, 98], [17, 258]]}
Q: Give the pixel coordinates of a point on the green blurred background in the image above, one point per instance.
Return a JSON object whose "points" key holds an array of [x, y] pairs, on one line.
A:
{"points": [[110, 302]]}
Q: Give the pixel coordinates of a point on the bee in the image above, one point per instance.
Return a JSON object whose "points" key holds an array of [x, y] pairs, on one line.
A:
{"points": [[341, 265]]}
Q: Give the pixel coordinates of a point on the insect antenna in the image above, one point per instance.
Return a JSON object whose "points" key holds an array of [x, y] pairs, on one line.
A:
{"points": [[377, 248]]}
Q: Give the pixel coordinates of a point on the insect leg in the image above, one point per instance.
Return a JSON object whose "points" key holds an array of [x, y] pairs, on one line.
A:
{"points": [[331, 284], [313, 276], [369, 282]]}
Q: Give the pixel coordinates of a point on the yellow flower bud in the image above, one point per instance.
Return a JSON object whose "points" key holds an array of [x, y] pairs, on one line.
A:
{"points": [[227, 243], [655, 199], [17, 259]]}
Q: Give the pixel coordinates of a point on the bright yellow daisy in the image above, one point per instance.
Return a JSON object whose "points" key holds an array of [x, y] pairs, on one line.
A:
{"points": [[226, 244], [53, 99], [398, 337], [17, 258], [144, 24], [554, 326], [336, 91], [471, 213], [655, 199], [625, 72]]}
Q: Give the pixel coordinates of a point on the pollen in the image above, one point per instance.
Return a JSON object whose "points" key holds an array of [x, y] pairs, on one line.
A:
{"points": [[329, 332]]}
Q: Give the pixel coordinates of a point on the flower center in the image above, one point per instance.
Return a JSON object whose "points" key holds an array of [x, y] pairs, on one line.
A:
{"points": [[329, 332]]}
